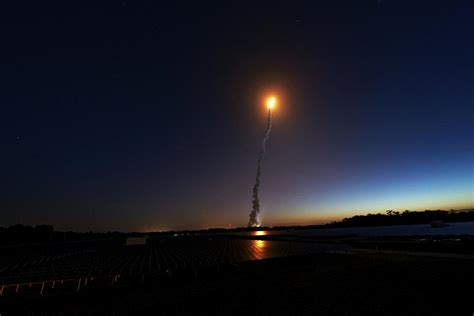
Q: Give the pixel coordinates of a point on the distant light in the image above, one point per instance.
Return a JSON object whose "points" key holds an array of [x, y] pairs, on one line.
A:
{"points": [[271, 102]]}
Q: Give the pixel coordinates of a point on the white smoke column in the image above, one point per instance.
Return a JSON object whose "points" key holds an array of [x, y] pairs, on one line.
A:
{"points": [[253, 220]]}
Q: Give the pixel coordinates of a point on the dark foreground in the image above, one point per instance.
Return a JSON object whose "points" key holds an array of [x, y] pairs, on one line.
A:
{"points": [[318, 284]]}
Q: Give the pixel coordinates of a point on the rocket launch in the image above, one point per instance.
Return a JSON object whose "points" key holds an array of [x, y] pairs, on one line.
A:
{"points": [[253, 217]]}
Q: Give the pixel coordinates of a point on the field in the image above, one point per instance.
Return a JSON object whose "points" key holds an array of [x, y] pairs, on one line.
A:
{"points": [[216, 276], [47, 267], [321, 284]]}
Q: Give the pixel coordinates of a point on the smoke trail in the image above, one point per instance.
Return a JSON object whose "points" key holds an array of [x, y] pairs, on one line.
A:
{"points": [[253, 220]]}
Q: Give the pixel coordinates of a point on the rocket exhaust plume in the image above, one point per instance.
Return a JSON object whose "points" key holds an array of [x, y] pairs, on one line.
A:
{"points": [[253, 217]]}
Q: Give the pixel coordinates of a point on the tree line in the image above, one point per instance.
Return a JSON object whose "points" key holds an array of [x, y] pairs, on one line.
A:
{"points": [[41, 233]]}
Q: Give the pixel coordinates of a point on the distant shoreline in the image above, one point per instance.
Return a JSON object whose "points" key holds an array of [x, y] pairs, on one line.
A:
{"points": [[17, 234]]}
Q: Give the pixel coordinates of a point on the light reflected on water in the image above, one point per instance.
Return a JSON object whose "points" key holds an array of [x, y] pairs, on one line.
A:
{"points": [[259, 245]]}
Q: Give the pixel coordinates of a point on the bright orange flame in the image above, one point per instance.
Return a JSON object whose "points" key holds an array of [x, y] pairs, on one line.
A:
{"points": [[260, 233], [271, 102]]}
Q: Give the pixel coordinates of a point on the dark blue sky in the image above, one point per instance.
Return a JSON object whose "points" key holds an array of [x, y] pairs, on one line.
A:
{"points": [[131, 115]]}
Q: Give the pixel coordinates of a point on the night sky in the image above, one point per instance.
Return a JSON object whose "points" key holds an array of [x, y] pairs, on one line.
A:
{"points": [[135, 115]]}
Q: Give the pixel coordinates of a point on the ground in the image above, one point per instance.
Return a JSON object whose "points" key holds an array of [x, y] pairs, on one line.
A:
{"points": [[322, 284]]}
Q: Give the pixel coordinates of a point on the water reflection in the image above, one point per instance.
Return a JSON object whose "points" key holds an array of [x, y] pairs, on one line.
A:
{"points": [[258, 245]]}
